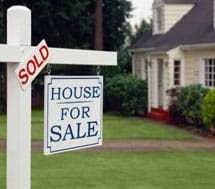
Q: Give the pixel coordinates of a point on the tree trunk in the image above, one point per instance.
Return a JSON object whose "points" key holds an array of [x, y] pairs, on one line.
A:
{"points": [[98, 35]]}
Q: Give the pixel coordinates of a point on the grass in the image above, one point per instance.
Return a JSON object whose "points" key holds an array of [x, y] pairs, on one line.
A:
{"points": [[115, 127], [166, 170]]}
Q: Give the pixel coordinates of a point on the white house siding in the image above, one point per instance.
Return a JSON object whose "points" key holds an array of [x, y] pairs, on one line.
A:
{"points": [[193, 66], [173, 13], [139, 65]]}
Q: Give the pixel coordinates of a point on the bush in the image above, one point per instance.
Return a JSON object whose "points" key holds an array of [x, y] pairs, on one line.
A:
{"points": [[208, 109], [126, 94], [176, 116], [189, 102]]}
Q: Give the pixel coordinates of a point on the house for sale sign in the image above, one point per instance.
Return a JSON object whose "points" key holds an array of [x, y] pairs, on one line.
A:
{"points": [[73, 113]]}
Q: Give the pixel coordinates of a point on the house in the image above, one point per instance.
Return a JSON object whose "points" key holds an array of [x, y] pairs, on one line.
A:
{"points": [[180, 50]]}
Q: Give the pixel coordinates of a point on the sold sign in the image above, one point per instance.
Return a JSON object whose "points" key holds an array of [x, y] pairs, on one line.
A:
{"points": [[31, 67]]}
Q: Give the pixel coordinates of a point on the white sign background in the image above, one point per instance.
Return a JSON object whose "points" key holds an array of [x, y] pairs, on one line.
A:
{"points": [[72, 121]]}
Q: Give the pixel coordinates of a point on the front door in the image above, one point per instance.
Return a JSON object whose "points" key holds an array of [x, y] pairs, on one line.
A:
{"points": [[160, 83]]}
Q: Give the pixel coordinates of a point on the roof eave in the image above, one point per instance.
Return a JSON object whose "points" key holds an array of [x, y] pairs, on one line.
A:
{"points": [[198, 46], [140, 50]]}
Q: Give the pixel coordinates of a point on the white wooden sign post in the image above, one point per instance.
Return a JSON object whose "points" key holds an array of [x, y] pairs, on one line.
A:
{"points": [[14, 53]]}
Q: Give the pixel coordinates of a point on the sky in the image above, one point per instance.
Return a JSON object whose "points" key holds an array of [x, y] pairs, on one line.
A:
{"points": [[142, 9]]}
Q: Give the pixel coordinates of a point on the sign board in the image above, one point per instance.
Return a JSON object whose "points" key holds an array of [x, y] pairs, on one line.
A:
{"points": [[73, 113], [32, 65]]}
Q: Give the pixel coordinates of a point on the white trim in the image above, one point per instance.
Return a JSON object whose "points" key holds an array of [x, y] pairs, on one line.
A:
{"points": [[154, 84], [197, 46], [182, 72], [133, 65], [202, 72], [149, 87], [140, 50], [210, 87], [165, 80], [143, 68]]}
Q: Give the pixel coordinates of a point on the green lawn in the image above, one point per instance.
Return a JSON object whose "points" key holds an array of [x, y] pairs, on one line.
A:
{"points": [[166, 170], [115, 127]]}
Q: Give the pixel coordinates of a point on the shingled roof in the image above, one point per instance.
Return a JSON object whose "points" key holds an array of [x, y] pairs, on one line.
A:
{"points": [[180, 1], [196, 27]]}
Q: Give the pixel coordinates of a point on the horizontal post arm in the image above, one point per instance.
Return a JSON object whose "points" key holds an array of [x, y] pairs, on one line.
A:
{"points": [[61, 56]]}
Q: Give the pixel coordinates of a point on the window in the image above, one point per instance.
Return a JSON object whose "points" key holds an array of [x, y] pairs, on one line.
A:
{"points": [[177, 72], [210, 72]]}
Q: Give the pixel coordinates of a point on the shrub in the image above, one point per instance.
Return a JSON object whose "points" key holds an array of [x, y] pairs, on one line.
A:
{"points": [[176, 116], [126, 94], [208, 109], [189, 102]]}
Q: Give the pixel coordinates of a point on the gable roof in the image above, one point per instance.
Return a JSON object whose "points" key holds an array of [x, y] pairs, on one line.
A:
{"points": [[196, 27]]}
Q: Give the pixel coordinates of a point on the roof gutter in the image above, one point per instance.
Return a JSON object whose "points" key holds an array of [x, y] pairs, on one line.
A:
{"points": [[157, 52], [140, 50]]}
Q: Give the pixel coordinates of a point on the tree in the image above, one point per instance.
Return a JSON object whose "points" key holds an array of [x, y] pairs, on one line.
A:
{"points": [[142, 29], [116, 26], [98, 35], [70, 24]]}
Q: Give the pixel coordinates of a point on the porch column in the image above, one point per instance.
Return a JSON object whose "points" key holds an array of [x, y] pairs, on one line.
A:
{"points": [[143, 68], [149, 66], [154, 84], [165, 85]]}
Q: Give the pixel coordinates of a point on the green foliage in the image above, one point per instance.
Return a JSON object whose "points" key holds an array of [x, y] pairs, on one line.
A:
{"points": [[116, 27], [126, 94], [71, 23], [189, 102], [208, 109], [142, 29], [123, 65]]}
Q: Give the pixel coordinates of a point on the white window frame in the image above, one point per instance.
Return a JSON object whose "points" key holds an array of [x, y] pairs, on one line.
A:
{"points": [[209, 72]]}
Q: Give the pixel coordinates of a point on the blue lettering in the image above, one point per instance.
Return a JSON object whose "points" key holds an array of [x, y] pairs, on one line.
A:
{"points": [[68, 132], [87, 92], [55, 130], [79, 131], [67, 93], [56, 93], [85, 111], [76, 92], [75, 112], [96, 92], [91, 128], [64, 112]]}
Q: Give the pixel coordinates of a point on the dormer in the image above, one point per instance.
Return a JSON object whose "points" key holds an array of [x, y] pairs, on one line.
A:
{"points": [[166, 13]]}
